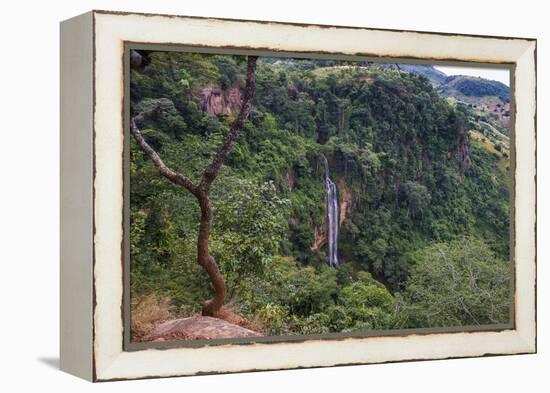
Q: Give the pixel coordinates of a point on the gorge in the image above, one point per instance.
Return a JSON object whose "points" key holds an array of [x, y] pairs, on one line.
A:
{"points": [[351, 193]]}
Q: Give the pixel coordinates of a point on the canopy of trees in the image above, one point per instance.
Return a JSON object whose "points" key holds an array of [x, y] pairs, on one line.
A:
{"points": [[425, 239]]}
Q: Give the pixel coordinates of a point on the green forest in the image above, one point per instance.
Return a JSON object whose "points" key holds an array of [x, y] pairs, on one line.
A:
{"points": [[422, 185]]}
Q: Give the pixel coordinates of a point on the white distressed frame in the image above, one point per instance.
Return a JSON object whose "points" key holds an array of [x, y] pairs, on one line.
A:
{"points": [[111, 30]]}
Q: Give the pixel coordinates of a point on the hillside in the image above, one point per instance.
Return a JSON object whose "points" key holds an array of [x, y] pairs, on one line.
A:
{"points": [[409, 178], [489, 100], [471, 89], [429, 71]]}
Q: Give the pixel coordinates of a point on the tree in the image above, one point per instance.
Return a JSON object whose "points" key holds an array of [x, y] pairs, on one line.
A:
{"points": [[459, 283], [201, 191], [251, 222], [417, 197]]}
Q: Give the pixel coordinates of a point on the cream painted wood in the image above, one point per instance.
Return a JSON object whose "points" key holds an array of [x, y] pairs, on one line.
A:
{"points": [[76, 175]]}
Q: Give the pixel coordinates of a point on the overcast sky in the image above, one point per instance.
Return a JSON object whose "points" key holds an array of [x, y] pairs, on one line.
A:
{"points": [[501, 75]]}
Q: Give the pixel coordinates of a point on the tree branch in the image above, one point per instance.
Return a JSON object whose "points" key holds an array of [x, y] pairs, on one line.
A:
{"points": [[213, 307], [221, 155], [164, 170]]}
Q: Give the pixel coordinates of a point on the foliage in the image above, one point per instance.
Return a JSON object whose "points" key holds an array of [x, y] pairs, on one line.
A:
{"points": [[459, 283], [479, 87], [389, 138], [249, 225], [317, 301]]}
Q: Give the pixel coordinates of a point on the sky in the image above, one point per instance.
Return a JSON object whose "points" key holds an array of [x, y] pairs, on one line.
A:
{"points": [[497, 74]]}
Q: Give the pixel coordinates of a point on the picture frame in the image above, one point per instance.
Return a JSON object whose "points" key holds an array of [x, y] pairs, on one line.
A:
{"points": [[94, 270]]}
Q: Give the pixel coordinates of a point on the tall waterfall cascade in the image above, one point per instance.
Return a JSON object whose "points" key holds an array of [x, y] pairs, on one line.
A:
{"points": [[332, 215]]}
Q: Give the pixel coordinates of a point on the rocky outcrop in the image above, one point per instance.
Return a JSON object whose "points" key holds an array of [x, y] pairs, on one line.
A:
{"points": [[198, 328], [364, 78], [290, 180], [214, 100], [345, 201], [463, 150], [319, 237]]}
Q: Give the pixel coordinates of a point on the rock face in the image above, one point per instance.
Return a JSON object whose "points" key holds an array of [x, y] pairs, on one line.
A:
{"points": [[198, 328], [290, 180], [463, 149], [320, 238], [345, 201], [214, 100]]}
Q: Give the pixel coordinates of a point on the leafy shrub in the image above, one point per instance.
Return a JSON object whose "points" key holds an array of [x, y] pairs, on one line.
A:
{"points": [[274, 317], [459, 283]]}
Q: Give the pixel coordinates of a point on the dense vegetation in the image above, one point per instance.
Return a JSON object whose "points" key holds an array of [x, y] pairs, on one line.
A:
{"points": [[424, 240]]}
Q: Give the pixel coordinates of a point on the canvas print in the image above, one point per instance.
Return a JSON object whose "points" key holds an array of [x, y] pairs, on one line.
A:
{"points": [[283, 197]]}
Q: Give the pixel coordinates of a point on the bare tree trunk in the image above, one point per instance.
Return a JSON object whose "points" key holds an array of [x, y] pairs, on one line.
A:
{"points": [[213, 307], [207, 261]]}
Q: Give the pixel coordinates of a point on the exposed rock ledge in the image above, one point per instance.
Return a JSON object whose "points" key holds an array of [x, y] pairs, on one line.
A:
{"points": [[197, 328], [214, 100], [345, 201]]}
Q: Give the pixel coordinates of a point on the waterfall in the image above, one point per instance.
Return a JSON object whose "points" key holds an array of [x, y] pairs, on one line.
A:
{"points": [[332, 214]]}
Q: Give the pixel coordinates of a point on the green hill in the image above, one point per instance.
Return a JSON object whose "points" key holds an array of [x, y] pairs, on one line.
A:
{"points": [[473, 89]]}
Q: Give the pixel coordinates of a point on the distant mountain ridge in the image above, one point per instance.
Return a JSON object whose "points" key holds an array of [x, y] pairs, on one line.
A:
{"points": [[433, 74], [463, 87], [470, 88], [489, 99]]}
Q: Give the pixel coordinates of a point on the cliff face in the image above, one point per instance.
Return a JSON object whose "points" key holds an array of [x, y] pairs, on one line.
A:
{"points": [[290, 180], [319, 237], [345, 201], [463, 149], [214, 100]]}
